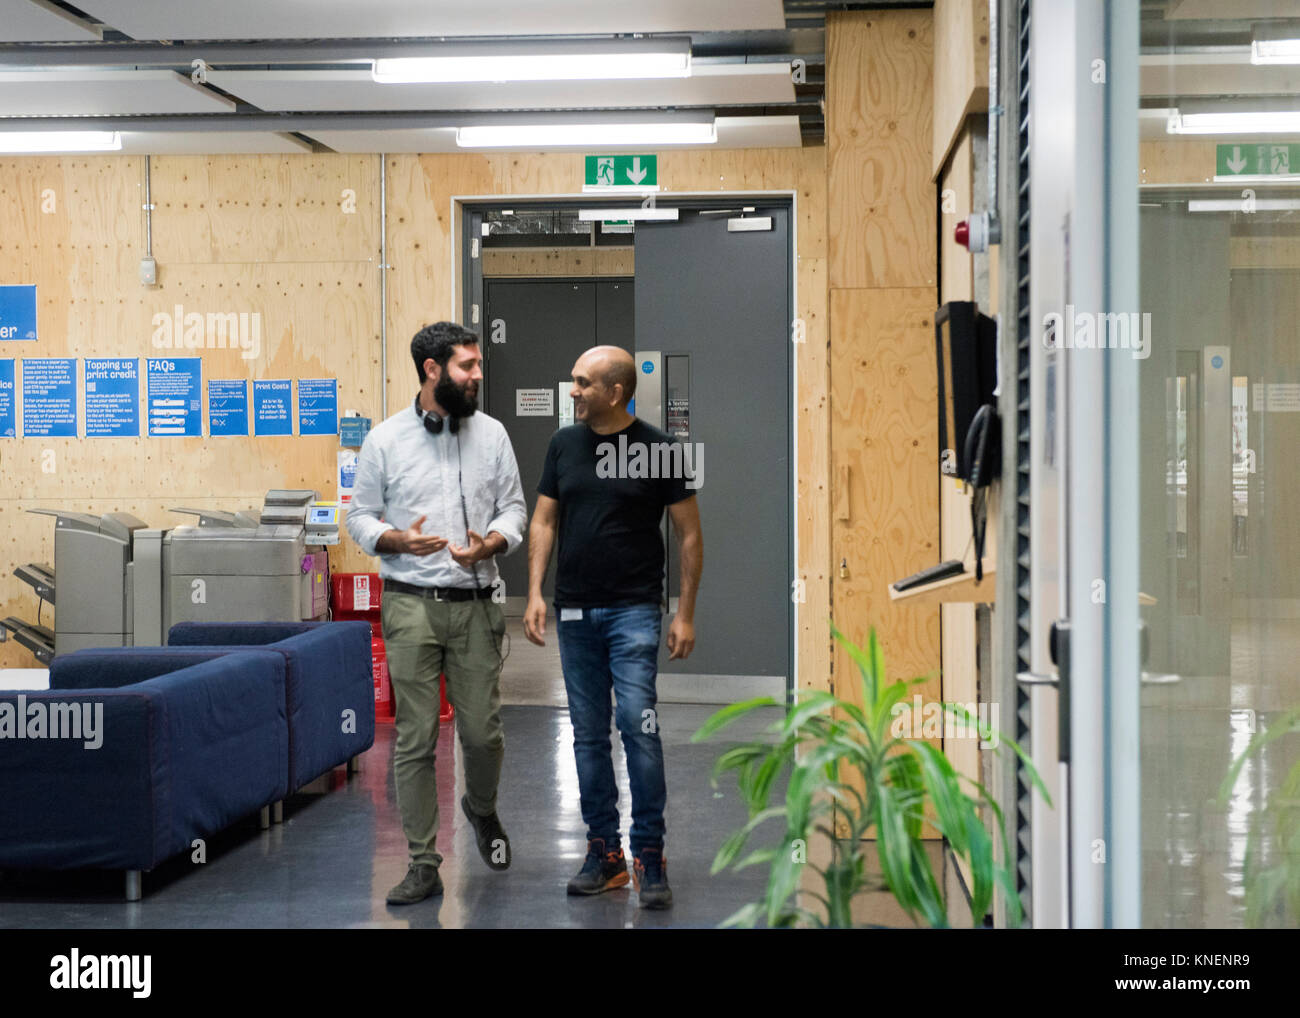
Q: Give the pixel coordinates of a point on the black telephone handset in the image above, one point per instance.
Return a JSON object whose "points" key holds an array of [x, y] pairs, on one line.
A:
{"points": [[983, 450], [983, 446]]}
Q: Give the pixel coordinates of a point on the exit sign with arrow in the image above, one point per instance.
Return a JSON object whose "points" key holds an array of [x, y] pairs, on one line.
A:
{"points": [[1257, 160], [639, 171]]}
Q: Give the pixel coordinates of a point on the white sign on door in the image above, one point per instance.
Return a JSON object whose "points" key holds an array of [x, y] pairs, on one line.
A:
{"points": [[534, 403]]}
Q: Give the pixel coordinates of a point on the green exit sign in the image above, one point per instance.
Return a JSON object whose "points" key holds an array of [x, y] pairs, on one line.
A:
{"points": [[1257, 160], [622, 171]]}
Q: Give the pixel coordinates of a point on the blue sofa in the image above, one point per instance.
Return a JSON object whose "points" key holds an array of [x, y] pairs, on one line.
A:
{"points": [[328, 672], [186, 746]]}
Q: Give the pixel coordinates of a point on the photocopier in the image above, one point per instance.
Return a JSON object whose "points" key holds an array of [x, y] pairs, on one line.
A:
{"points": [[116, 582]]}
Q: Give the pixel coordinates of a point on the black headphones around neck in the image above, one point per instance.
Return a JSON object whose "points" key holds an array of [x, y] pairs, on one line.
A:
{"points": [[432, 422]]}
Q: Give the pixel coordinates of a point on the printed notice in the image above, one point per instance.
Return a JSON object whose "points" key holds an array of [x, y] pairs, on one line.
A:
{"points": [[1277, 397], [50, 397], [18, 313], [227, 407], [679, 418], [273, 407], [534, 403], [8, 418], [175, 397], [112, 387], [318, 406]]}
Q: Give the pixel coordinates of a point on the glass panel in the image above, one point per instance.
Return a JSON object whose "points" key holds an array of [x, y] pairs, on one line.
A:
{"points": [[1220, 423]]}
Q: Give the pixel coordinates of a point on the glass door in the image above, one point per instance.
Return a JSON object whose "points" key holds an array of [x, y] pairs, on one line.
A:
{"points": [[1219, 489]]}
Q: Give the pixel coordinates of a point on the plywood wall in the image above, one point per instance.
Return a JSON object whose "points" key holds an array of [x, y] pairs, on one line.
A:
{"points": [[296, 239], [266, 235], [961, 78], [882, 277]]}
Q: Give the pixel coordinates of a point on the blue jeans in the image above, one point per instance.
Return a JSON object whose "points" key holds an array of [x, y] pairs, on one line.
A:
{"points": [[616, 648]]}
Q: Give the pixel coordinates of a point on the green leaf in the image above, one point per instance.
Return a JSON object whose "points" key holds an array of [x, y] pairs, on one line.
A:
{"points": [[730, 713], [735, 757], [743, 917], [759, 855], [809, 704], [1288, 723]]}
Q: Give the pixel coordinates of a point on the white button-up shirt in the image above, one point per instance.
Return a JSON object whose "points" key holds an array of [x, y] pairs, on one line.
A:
{"points": [[404, 472]]}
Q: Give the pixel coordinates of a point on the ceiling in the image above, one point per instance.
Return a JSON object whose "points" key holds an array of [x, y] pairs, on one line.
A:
{"points": [[1198, 53], [295, 75]]}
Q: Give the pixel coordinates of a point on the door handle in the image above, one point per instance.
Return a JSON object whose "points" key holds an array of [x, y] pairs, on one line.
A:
{"points": [[1158, 679]]}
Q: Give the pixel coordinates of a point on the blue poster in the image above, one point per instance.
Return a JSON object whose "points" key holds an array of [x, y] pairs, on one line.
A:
{"points": [[112, 388], [8, 420], [18, 312], [174, 396], [318, 406], [273, 407], [227, 407], [50, 397]]}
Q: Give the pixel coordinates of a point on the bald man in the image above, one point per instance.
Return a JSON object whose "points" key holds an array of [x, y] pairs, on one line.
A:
{"points": [[606, 506]]}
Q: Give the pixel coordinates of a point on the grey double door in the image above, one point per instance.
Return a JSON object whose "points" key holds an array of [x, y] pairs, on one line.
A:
{"points": [[715, 303], [541, 327]]}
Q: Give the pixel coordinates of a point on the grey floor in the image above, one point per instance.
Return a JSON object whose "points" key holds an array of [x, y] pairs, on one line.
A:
{"points": [[340, 848], [338, 852]]}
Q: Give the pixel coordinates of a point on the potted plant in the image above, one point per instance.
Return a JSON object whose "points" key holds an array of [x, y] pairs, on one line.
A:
{"points": [[1271, 870], [845, 760]]}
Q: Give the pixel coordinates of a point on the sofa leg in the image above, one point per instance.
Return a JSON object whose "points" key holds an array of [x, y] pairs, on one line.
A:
{"points": [[264, 818], [133, 884], [277, 811], [354, 764]]}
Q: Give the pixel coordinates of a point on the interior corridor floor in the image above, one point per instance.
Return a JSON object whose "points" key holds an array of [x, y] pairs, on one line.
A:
{"points": [[332, 861]]}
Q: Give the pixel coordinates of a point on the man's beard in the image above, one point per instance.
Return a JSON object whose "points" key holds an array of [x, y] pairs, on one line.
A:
{"points": [[452, 397]]}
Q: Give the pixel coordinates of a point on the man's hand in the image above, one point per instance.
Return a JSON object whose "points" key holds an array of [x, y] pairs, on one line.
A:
{"points": [[681, 638], [535, 620], [411, 542], [475, 551]]}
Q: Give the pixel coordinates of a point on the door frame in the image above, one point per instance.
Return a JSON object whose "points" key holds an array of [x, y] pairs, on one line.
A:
{"points": [[1090, 204], [463, 207]]}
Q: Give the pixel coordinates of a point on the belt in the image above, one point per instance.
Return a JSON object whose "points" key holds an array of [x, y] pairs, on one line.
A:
{"points": [[439, 593]]}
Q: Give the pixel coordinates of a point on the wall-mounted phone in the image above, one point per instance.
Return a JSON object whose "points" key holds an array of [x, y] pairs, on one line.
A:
{"points": [[966, 351], [970, 435]]}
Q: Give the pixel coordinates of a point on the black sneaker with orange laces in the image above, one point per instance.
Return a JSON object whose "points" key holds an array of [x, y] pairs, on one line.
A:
{"points": [[650, 871], [602, 871]]}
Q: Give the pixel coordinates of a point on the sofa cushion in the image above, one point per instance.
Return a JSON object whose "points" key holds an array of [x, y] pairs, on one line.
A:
{"points": [[328, 672], [179, 756]]}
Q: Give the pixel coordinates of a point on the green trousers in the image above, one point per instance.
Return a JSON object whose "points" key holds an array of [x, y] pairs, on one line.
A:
{"points": [[462, 639]]}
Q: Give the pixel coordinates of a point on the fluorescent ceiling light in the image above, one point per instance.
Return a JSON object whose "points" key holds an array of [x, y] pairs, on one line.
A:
{"points": [[542, 135], [602, 215], [1275, 46], [1256, 178], [1239, 205], [538, 61], [1236, 122], [59, 141]]}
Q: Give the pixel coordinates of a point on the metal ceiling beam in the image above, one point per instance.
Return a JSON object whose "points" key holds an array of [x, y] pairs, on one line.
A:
{"points": [[331, 121], [769, 45]]}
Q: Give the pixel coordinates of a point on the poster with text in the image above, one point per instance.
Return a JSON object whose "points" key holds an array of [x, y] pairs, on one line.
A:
{"points": [[8, 416], [318, 406], [50, 397], [112, 387], [273, 407], [227, 407], [175, 397]]}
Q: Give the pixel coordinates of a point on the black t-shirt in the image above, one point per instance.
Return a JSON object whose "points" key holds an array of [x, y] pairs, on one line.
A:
{"points": [[612, 490]]}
